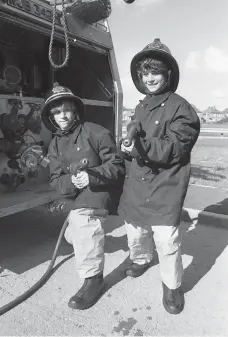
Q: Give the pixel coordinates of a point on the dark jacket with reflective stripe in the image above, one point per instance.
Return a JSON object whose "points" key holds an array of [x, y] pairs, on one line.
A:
{"points": [[158, 177], [106, 169]]}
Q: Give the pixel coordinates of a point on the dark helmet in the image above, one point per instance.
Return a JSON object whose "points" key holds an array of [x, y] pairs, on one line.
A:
{"points": [[161, 52], [59, 92]]}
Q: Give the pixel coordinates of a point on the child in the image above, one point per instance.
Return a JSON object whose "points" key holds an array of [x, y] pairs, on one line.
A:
{"points": [[91, 189], [155, 189]]}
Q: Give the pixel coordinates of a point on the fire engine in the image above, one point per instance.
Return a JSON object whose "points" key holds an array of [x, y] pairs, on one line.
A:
{"points": [[42, 42]]}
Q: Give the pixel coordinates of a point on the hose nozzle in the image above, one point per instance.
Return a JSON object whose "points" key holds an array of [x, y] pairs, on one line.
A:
{"points": [[77, 167], [133, 129]]}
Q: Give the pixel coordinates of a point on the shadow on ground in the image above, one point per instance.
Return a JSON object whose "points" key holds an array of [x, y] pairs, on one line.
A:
{"points": [[198, 172], [28, 239], [220, 208], [204, 243]]}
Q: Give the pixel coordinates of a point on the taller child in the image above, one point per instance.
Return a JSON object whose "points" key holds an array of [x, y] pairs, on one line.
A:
{"points": [[156, 186]]}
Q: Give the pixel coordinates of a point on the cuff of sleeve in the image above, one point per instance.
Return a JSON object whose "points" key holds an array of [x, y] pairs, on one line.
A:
{"points": [[125, 155], [66, 186], [93, 180], [141, 148]]}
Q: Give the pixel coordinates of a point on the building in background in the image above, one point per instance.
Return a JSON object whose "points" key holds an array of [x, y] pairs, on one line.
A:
{"points": [[212, 116]]}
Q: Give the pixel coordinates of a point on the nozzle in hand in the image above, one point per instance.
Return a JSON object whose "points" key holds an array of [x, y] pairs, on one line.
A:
{"points": [[77, 167], [133, 129]]}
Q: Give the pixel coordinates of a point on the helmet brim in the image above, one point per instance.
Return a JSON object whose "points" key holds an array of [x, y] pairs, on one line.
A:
{"points": [[159, 55], [45, 112]]}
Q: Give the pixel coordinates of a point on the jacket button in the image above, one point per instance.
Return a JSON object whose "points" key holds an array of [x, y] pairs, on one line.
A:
{"points": [[126, 176], [78, 149], [156, 122], [163, 104], [60, 153], [143, 178], [147, 200]]}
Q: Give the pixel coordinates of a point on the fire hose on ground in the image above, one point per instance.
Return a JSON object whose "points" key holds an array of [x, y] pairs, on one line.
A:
{"points": [[74, 169], [133, 130]]}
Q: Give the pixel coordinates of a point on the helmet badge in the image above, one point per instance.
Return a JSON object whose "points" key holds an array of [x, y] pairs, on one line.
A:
{"points": [[57, 89]]}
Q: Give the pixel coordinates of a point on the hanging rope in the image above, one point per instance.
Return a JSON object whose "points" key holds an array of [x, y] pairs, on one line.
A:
{"points": [[57, 66]]}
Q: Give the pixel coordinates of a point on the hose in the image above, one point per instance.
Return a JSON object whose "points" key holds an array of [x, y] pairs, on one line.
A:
{"points": [[74, 168], [40, 282]]}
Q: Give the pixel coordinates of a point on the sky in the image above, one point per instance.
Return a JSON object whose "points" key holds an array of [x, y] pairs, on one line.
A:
{"points": [[196, 32]]}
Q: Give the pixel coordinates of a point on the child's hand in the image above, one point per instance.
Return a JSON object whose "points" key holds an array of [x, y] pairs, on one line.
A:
{"points": [[127, 149], [81, 180]]}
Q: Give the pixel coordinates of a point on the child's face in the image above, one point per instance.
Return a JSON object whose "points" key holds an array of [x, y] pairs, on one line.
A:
{"points": [[64, 114], [153, 81]]}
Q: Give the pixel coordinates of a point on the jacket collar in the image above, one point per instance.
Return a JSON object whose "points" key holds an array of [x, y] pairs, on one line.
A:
{"points": [[73, 131], [153, 101]]}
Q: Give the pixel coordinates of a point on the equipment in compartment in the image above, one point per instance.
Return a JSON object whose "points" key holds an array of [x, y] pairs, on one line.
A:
{"points": [[18, 77], [24, 79], [23, 61], [21, 127], [11, 76]]}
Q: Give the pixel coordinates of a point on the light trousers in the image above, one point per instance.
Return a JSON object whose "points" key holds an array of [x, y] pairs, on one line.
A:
{"points": [[85, 232], [142, 240]]}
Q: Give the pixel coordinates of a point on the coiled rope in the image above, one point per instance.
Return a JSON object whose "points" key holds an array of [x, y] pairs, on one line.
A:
{"points": [[58, 66]]}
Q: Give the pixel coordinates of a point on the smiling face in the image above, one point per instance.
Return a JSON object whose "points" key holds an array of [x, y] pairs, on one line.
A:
{"points": [[154, 74], [64, 114], [154, 82]]}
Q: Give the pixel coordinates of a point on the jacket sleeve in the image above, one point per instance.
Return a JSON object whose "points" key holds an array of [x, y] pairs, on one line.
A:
{"points": [[178, 141], [58, 179], [112, 168]]}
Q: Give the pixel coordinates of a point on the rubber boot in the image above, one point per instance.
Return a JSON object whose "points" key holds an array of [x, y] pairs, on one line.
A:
{"points": [[173, 300], [89, 293], [136, 270]]}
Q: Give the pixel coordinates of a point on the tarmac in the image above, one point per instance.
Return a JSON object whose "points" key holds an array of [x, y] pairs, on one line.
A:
{"points": [[129, 307], [208, 205]]}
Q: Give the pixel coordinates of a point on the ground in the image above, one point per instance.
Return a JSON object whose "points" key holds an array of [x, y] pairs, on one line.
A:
{"points": [[129, 306]]}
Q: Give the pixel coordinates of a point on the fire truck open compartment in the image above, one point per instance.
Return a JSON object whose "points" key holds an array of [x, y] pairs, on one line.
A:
{"points": [[25, 76], [88, 72]]}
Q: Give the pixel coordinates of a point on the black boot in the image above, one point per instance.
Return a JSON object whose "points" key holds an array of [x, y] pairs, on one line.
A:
{"points": [[173, 300], [88, 294], [136, 270]]}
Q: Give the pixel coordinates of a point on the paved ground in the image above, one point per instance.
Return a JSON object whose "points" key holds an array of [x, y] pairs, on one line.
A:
{"points": [[208, 199], [129, 306]]}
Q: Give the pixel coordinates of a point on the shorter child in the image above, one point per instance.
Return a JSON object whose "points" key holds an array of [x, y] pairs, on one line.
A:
{"points": [[91, 189]]}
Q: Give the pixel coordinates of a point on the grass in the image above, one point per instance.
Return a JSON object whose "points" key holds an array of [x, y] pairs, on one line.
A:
{"points": [[210, 163]]}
